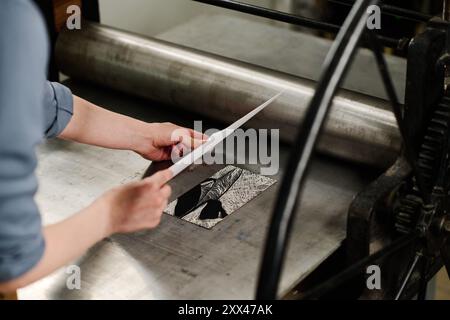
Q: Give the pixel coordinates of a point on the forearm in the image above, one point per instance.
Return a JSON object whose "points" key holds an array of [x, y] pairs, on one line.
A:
{"points": [[93, 125], [66, 241]]}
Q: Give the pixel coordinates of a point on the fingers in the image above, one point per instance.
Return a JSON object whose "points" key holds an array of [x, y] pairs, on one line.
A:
{"points": [[166, 191], [179, 151], [191, 143], [186, 136], [184, 147], [159, 179], [182, 140], [157, 199], [194, 139], [159, 203], [171, 142], [139, 205], [153, 204], [197, 138], [197, 143], [198, 135]]}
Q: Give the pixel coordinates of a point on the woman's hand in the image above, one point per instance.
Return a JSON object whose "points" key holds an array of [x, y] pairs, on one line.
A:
{"points": [[132, 207], [138, 205], [93, 125], [164, 138]]}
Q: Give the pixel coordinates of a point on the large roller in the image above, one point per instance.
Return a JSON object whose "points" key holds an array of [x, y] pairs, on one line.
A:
{"points": [[359, 127]]}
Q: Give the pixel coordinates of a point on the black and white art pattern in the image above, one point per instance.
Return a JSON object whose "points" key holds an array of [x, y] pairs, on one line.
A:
{"points": [[214, 199]]}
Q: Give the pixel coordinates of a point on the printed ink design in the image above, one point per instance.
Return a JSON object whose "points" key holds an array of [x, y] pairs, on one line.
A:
{"points": [[215, 198], [207, 193]]}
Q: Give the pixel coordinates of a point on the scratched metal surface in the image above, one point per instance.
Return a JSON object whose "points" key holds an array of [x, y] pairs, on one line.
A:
{"points": [[180, 260]]}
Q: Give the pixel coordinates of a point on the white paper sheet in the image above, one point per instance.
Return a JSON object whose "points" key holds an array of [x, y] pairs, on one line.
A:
{"points": [[215, 139]]}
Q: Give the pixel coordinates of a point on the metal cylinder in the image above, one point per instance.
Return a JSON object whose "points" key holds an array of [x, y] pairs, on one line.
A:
{"points": [[359, 127]]}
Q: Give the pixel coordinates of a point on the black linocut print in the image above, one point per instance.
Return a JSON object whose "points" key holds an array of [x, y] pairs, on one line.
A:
{"points": [[214, 199]]}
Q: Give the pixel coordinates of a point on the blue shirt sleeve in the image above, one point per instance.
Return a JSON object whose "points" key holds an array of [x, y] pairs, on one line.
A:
{"points": [[23, 59], [58, 108]]}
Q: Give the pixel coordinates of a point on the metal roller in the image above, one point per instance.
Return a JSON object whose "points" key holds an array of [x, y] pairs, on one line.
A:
{"points": [[359, 127]]}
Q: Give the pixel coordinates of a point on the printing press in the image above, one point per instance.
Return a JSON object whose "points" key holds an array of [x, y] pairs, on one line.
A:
{"points": [[364, 175]]}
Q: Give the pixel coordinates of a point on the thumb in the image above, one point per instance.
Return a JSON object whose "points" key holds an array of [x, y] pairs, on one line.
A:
{"points": [[160, 178]]}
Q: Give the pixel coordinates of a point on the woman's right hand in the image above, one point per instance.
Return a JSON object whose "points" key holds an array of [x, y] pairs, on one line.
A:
{"points": [[138, 205], [128, 208]]}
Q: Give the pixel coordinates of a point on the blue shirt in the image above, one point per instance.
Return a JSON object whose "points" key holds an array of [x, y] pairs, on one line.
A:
{"points": [[31, 108]]}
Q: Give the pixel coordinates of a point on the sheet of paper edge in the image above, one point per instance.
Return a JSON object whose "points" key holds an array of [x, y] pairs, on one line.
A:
{"points": [[215, 139]]}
